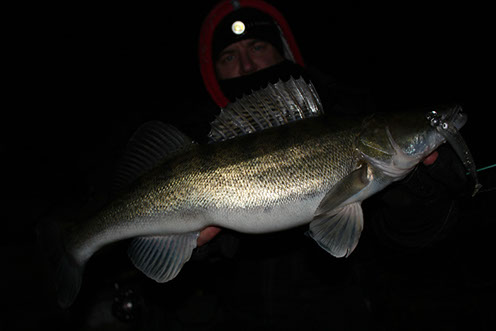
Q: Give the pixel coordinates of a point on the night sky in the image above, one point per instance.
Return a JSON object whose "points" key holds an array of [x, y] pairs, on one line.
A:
{"points": [[84, 77]]}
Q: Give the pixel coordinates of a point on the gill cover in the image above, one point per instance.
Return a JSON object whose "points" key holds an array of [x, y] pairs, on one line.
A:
{"points": [[393, 144]]}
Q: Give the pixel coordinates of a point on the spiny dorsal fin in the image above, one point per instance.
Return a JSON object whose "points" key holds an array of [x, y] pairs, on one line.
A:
{"points": [[275, 105], [153, 142]]}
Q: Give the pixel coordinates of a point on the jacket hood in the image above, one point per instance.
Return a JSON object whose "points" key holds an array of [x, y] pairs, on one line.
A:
{"points": [[205, 43]]}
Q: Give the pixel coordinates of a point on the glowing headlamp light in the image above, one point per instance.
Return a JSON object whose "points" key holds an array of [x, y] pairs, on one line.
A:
{"points": [[238, 27]]}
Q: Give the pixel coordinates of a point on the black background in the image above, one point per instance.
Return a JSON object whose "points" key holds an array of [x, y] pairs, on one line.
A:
{"points": [[82, 77]]}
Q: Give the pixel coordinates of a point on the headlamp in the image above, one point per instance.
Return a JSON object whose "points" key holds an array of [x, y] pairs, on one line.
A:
{"points": [[238, 27]]}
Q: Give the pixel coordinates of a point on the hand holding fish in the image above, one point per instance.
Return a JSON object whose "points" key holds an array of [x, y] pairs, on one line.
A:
{"points": [[431, 158], [207, 234]]}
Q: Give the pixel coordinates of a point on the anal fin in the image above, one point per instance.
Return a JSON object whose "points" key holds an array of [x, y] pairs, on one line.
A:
{"points": [[161, 258]]}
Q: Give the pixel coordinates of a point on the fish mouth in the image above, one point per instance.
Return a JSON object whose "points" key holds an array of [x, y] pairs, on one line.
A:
{"points": [[448, 124]]}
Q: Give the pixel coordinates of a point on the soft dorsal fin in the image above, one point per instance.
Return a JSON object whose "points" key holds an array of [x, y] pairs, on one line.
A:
{"points": [[275, 105], [152, 142]]}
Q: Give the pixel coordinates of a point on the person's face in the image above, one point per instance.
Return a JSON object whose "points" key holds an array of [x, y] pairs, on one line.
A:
{"points": [[246, 57]]}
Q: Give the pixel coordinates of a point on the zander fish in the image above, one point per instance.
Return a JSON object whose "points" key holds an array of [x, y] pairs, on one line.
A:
{"points": [[270, 168]]}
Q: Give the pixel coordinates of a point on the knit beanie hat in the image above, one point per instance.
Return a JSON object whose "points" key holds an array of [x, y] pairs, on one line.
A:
{"points": [[246, 23]]}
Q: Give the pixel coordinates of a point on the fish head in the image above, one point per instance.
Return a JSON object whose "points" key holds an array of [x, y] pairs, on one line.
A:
{"points": [[396, 142]]}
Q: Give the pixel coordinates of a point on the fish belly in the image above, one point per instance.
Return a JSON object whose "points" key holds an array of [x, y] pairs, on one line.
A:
{"points": [[264, 219]]}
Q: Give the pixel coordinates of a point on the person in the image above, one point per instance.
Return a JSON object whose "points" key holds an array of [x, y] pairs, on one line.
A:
{"points": [[266, 51], [244, 45]]}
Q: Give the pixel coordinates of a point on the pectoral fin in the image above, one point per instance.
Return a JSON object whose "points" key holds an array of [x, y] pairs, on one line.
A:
{"points": [[338, 234], [338, 221], [161, 258]]}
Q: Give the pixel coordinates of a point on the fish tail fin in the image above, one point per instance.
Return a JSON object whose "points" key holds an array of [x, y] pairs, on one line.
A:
{"points": [[68, 279], [66, 271]]}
